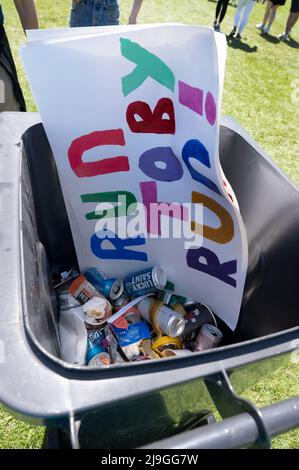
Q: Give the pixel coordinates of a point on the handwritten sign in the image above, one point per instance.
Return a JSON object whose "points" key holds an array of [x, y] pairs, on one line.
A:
{"points": [[132, 116]]}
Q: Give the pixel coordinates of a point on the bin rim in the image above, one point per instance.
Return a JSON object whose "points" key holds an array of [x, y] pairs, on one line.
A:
{"points": [[31, 372]]}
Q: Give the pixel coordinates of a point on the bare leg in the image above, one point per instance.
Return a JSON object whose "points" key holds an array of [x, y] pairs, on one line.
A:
{"points": [[272, 15], [267, 13], [292, 20]]}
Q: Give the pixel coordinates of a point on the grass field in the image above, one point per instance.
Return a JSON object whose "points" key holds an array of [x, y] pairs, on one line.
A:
{"points": [[259, 84]]}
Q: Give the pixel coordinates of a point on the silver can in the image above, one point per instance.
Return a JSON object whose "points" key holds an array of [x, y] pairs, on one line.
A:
{"points": [[209, 337], [170, 322]]}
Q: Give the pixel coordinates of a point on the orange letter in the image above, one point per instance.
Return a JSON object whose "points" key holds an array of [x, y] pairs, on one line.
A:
{"points": [[224, 233]]}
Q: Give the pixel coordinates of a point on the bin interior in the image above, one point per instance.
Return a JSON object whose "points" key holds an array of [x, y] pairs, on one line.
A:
{"points": [[269, 204]]}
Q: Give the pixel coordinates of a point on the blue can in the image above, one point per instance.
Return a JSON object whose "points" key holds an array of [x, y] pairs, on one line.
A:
{"points": [[147, 281], [96, 355], [110, 287]]}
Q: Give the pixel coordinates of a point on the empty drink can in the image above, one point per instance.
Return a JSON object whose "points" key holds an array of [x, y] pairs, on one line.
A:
{"points": [[209, 337], [147, 281], [197, 315], [110, 287], [120, 302], [96, 355], [67, 300], [162, 318], [83, 290]]}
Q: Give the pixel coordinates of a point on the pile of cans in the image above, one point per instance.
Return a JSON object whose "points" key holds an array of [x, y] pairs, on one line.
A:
{"points": [[138, 318]]}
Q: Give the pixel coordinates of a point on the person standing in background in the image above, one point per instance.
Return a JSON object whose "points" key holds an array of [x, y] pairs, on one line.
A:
{"points": [[100, 13], [12, 99], [291, 21], [270, 13], [244, 9], [220, 13]]}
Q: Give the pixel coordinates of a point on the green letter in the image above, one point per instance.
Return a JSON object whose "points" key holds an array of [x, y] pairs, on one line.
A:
{"points": [[123, 201], [148, 65]]}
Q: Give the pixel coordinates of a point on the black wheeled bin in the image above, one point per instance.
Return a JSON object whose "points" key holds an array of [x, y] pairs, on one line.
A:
{"points": [[156, 404]]}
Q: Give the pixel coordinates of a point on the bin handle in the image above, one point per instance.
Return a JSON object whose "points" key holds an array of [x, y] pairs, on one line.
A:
{"points": [[228, 403], [237, 431]]}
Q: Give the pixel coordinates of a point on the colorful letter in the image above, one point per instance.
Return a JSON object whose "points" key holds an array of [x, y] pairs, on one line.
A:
{"points": [[110, 197], [119, 251], [224, 233], [173, 170], [191, 97], [152, 122], [155, 209], [101, 167], [211, 265], [210, 109], [147, 65], [195, 149]]}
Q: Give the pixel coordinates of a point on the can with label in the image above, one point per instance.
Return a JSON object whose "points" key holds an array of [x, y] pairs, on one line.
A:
{"points": [[96, 355], [209, 337], [111, 287], [120, 302], [83, 290], [162, 318], [67, 300], [147, 281]]}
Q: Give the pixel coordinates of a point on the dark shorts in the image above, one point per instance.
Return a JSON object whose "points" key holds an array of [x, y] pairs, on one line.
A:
{"points": [[7, 62], [278, 2], [295, 6]]}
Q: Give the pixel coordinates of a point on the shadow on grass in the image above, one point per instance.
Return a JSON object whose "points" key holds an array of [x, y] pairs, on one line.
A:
{"points": [[270, 38], [291, 43], [238, 44]]}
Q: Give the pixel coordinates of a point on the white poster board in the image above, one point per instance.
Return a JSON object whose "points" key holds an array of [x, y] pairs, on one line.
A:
{"points": [[134, 112]]}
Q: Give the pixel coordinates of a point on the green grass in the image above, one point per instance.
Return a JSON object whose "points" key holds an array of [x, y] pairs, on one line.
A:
{"points": [[257, 93]]}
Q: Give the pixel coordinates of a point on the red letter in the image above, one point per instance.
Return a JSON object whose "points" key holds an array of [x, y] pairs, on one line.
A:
{"points": [[101, 167], [152, 122]]}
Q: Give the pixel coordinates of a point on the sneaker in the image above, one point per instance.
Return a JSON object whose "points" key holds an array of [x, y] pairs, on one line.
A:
{"points": [[233, 32], [267, 30], [283, 37], [216, 27], [259, 26], [239, 37]]}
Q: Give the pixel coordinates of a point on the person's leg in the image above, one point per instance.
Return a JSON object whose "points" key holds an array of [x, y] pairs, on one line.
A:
{"points": [[241, 4], [217, 11], [262, 25], [81, 14], [245, 16], [272, 17], [223, 10], [292, 20]]}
